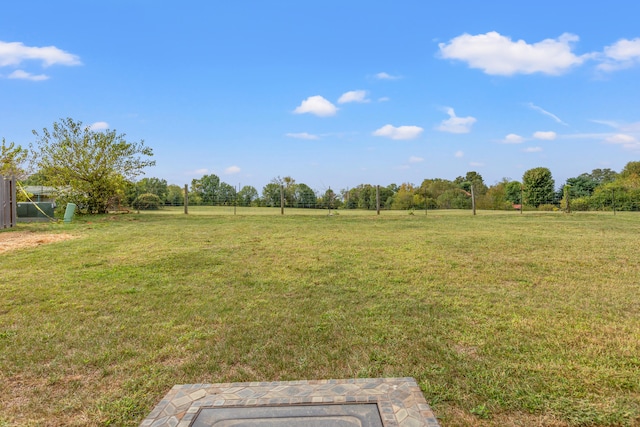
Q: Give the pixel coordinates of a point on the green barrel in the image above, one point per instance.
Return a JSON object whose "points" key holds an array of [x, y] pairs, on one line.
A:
{"points": [[69, 211]]}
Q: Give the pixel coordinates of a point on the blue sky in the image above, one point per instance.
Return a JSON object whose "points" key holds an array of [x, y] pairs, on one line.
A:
{"points": [[333, 93]]}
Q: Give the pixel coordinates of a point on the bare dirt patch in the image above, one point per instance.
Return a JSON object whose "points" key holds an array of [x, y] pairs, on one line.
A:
{"points": [[26, 239]]}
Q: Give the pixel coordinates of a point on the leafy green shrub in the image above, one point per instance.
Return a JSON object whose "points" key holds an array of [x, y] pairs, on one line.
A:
{"points": [[580, 204], [547, 207], [147, 202]]}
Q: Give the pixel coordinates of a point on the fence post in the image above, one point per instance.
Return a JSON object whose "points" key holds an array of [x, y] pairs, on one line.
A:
{"points": [[186, 199], [8, 204], [473, 200], [613, 200], [282, 200], [378, 199]]}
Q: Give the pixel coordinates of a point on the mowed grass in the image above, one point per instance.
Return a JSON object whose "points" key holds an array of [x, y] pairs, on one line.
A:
{"points": [[503, 319]]}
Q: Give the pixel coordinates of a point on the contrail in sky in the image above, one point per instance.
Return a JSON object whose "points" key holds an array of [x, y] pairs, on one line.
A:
{"points": [[546, 113]]}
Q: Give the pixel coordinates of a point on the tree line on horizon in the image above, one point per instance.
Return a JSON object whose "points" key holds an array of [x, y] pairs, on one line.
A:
{"points": [[97, 170], [600, 189]]}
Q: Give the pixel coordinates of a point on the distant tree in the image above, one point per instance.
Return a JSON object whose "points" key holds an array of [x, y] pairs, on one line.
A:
{"points": [[581, 186], [513, 192], [631, 171], [472, 178], [330, 200], [247, 196], [147, 201], [455, 198], [37, 178], [12, 157], [155, 186], [304, 196], [271, 194], [539, 187], [404, 197], [495, 197], [226, 194], [603, 176], [89, 166], [205, 189], [289, 185], [175, 195]]}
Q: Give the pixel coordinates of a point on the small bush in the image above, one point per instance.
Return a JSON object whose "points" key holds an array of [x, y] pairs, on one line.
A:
{"points": [[147, 202], [547, 208], [580, 204]]}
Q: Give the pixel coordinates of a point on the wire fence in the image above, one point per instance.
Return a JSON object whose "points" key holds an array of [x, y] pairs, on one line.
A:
{"points": [[612, 203]]}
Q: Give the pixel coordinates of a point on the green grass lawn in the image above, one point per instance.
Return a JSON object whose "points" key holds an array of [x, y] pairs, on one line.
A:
{"points": [[503, 319]]}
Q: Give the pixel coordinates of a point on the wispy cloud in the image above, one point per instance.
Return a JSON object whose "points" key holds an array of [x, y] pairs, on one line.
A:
{"points": [[399, 133], [354, 96], [197, 172], [459, 154], [622, 54], [623, 127], [99, 126], [302, 135], [23, 75], [496, 54], [627, 142], [546, 113], [546, 136], [512, 138], [476, 164], [232, 170], [416, 159], [455, 124], [316, 105], [15, 53], [532, 149], [386, 76]]}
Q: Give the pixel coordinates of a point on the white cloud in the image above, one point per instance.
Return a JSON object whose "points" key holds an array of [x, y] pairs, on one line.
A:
{"points": [[496, 54], [546, 113], [401, 132], [386, 76], [415, 159], [14, 53], [302, 135], [459, 154], [512, 138], [316, 105], [232, 170], [202, 171], [622, 54], [23, 75], [455, 124], [627, 142], [546, 136], [532, 149], [99, 126], [353, 96], [384, 99]]}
